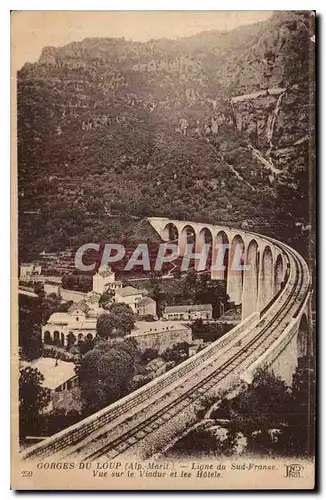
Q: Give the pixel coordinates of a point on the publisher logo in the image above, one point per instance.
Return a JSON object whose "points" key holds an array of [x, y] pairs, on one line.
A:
{"points": [[294, 471]]}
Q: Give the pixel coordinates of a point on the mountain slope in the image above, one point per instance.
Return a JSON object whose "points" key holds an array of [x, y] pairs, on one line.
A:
{"points": [[98, 133]]}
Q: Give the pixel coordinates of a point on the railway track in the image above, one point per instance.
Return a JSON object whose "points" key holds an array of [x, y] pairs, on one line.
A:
{"points": [[106, 444]]}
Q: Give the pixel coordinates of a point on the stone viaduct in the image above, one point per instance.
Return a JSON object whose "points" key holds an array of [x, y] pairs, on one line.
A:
{"points": [[264, 264], [274, 290]]}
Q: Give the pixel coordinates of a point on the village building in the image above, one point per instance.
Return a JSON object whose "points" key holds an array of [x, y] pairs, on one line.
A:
{"points": [[30, 269], [68, 328], [146, 306], [104, 280], [59, 377], [78, 324], [130, 296], [188, 312]]}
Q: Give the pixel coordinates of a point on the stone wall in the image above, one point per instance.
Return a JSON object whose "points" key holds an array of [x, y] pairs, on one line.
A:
{"points": [[163, 339]]}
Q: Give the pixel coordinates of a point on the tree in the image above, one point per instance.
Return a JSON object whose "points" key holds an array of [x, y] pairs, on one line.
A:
{"points": [[48, 306], [204, 441], [265, 403], [275, 418], [30, 319], [39, 289], [177, 353], [118, 322], [148, 354], [85, 346], [106, 299], [148, 317], [77, 282], [105, 373], [302, 418], [104, 326], [209, 332], [65, 306], [124, 317], [189, 286], [33, 398]]}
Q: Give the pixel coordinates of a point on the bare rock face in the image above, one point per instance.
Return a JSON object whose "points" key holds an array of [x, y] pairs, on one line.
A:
{"points": [[269, 55], [48, 56]]}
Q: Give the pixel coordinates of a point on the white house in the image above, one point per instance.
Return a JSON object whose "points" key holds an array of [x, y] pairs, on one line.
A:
{"points": [[188, 312], [129, 295], [146, 306], [59, 376], [104, 279], [65, 329]]}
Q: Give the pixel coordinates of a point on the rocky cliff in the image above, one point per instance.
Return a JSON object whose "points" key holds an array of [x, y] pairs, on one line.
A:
{"points": [[185, 128]]}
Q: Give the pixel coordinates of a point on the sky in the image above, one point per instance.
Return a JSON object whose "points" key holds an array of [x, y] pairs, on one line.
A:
{"points": [[32, 30]]}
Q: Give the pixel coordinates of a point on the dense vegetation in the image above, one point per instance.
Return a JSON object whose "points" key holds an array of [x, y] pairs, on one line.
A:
{"points": [[117, 322], [105, 373], [211, 331], [33, 313], [98, 146], [189, 289], [269, 416], [33, 398]]}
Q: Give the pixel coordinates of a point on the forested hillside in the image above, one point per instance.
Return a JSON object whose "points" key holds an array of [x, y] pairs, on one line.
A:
{"points": [[99, 136]]}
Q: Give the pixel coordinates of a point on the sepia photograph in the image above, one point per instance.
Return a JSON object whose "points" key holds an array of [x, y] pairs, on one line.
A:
{"points": [[163, 263]]}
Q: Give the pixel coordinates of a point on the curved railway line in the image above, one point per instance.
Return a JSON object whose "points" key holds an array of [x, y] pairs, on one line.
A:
{"points": [[131, 422]]}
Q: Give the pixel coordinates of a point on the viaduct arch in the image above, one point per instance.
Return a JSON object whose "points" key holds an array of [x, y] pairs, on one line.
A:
{"points": [[304, 342], [253, 269], [251, 279], [279, 274]]}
